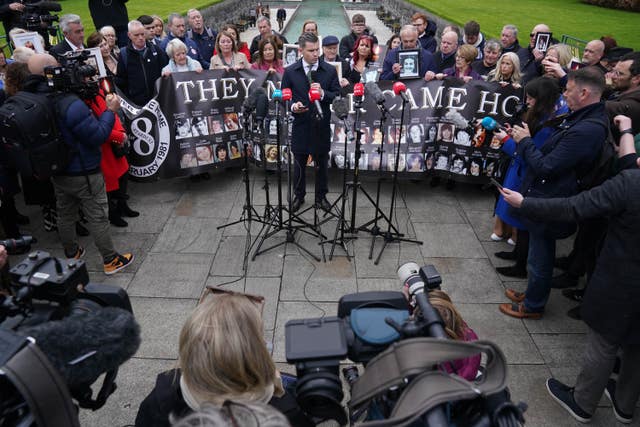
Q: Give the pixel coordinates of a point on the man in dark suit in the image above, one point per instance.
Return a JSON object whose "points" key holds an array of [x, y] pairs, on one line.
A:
{"points": [[73, 31], [311, 133]]}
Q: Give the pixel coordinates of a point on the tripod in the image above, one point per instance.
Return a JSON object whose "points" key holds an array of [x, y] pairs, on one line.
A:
{"points": [[390, 236], [277, 223]]}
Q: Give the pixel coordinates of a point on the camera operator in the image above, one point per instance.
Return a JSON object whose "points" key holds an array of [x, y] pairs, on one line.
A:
{"points": [[222, 359], [82, 184], [612, 299]]}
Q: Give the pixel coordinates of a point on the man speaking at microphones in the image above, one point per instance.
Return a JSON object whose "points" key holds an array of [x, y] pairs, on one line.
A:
{"points": [[314, 85]]}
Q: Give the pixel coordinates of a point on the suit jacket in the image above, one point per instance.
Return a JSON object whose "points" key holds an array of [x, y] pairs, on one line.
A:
{"points": [[311, 136], [60, 49]]}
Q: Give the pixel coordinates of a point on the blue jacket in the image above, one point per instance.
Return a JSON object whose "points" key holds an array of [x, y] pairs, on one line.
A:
{"points": [[310, 136], [426, 64], [553, 169], [206, 43]]}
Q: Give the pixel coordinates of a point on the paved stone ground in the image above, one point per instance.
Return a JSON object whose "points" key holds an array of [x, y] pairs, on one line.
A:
{"points": [[179, 251]]}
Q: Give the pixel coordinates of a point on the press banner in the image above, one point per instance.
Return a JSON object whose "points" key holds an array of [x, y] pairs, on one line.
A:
{"points": [[195, 123]]}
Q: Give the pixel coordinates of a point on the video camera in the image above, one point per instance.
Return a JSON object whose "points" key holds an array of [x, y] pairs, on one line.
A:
{"points": [[74, 74], [401, 341], [58, 334], [37, 16]]}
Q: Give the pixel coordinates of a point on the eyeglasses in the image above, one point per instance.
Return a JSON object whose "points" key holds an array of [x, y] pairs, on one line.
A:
{"points": [[257, 300]]}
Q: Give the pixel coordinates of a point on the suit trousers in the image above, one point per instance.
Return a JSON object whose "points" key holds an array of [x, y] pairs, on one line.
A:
{"points": [[599, 359], [299, 178]]}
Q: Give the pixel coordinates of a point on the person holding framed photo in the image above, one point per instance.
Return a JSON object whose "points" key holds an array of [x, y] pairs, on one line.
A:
{"points": [[361, 57], [392, 69]]}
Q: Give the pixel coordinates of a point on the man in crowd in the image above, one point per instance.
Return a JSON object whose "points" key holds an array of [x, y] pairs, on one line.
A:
{"points": [[391, 68], [491, 53], [552, 171], [358, 27], [311, 133], [148, 23], [204, 36], [426, 31], [264, 28], [446, 57], [140, 66], [474, 37], [626, 83], [73, 31], [177, 29], [531, 57], [81, 186], [113, 13], [330, 49], [509, 39], [593, 53]]}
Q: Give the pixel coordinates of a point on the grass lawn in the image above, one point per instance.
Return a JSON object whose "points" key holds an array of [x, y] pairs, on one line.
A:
{"points": [[135, 7], [571, 17]]}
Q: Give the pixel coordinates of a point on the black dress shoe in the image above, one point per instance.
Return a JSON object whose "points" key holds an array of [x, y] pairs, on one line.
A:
{"points": [[323, 204], [508, 255], [117, 221], [513, 271], [295, 206], [563, 281]]}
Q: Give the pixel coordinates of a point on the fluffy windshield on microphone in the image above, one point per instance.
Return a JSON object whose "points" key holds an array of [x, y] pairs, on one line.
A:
{"points": [[84, 346], [340, 107], [262, 104], [457, 119], [372, 89]]}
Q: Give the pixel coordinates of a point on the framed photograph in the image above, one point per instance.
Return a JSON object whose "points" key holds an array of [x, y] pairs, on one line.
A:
{"points": [[338, 67], [289, 54], [31, 40], [543, 41], [575, 64], [95, 59], [409, 60], [371, 74]]}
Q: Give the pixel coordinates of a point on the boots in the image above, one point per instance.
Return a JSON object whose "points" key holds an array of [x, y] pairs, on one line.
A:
{"points": [[126, 210], [115, 215]]}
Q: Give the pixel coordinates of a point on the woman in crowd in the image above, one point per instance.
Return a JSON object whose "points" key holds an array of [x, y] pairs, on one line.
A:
{"points": [[310, 26], [109, 33], [110, 62], [227, 56], [222, 357], [465, 55], [492, 50], [267, 59], [544, 103], [179, 61], [507, 70], [556, 61], [242, 46], [361, 57], [158, 28], [393, 42]]}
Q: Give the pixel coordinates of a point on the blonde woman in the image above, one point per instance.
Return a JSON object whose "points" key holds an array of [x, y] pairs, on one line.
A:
{"points": [[556, 61], [227, 56], [222, 357], [507, 70]]}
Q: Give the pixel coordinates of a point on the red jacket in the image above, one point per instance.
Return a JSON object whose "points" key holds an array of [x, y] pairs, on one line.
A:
{"points": [[112, 167]]}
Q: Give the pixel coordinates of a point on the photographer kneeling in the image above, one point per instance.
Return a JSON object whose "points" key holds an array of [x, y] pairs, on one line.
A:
{"points": [[222, 358]]}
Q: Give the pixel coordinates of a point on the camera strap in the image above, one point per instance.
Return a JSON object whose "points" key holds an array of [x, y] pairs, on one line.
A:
{"points": [[41, 386], [415, 359]]}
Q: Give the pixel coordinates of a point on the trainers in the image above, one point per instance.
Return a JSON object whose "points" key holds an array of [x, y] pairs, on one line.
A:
{"points": [[79, 253], [563, 394], [118, 263], [610, 392]]}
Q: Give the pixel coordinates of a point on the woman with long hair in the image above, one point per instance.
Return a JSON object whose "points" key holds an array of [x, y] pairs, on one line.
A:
{"points": [[507, 71], [227, 56], [545, 103], [267, 57], [242, 46], [110, 61], [362, 56]]}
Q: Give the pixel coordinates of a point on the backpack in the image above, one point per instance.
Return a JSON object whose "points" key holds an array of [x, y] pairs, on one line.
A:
{"points": [[29, 130]]}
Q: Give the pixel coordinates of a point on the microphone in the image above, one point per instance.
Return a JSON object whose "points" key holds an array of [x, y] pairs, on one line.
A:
{"points": [[49, 6], [312, 75], [262, 106], [340, 107], [249, 103], [400, 88], [491, 124], [84, 346], [314, 96], [374, 91], [14, 244], [286, 97], [358, 92], [458, 119], [277, 95]]}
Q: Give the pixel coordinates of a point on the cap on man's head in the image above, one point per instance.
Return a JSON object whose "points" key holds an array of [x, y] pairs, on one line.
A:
{"points": [[330, 41]]}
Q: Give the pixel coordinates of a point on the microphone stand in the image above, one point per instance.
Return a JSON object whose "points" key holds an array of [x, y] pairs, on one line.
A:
{"points": [[389, 235], [289, 227]]}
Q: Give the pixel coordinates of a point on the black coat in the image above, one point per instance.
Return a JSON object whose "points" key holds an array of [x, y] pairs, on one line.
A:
{"points": [[309, 135], [137, 72], [112, 13], [611, 303]]}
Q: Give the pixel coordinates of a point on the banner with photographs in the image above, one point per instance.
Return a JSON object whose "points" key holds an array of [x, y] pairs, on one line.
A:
{"points": [[195, 124]]}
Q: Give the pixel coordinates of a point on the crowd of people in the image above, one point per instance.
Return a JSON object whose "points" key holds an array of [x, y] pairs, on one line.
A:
{"points": [[574, 109]]}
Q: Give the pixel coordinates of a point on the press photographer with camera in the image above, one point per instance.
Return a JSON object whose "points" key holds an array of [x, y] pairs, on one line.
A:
{"points": [[223, 360], [81, 185]]}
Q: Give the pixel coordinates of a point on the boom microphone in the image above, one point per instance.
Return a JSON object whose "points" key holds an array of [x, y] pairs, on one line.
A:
{"points": [[49, 6], [314, 96], [262, 105], [249, 103], [82, 347], [400, 88], [457, 119], [491, 124], [374, 91], [340, 107]]}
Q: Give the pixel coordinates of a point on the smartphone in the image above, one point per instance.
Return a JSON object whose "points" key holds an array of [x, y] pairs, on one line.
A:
{"points": [[496, 183]]}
